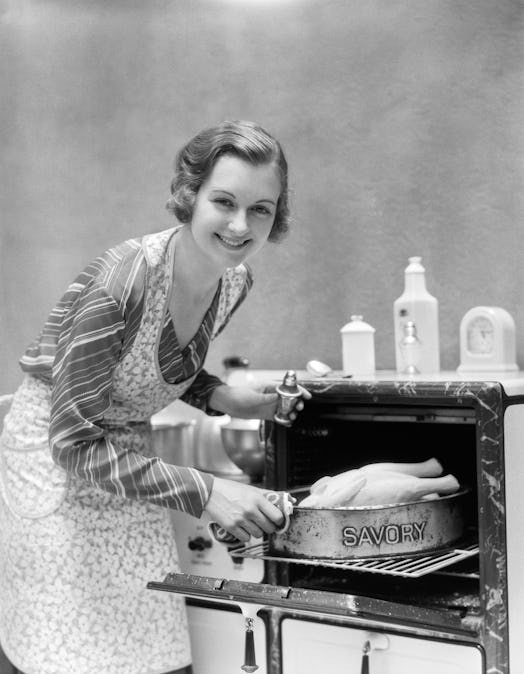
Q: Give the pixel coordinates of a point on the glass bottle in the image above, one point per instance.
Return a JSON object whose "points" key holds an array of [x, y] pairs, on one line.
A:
{"points": [[410, 347], [418, 306]]}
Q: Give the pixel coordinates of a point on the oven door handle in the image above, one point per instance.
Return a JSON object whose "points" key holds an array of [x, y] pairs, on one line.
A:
{"points": [[364, 667], [373, 642]]}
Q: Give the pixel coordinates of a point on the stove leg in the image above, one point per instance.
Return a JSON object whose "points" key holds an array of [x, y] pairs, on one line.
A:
{"points": [[274, 659]]}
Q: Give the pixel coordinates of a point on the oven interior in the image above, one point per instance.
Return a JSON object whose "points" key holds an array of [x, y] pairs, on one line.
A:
{"points": [[333, 438]]}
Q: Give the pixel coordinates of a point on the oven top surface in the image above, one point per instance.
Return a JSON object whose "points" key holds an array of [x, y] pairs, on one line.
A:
{"points": [[512, 382]]}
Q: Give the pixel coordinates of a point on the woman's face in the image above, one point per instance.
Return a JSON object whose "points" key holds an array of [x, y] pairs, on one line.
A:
{"points": [[234, 210]]}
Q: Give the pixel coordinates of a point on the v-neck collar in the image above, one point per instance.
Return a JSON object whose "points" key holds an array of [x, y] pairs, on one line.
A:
{"points": [[205, 326], [186, 361]]}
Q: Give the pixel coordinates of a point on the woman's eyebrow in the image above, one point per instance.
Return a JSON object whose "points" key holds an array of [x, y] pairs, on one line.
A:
{"points": [[218, 189]]}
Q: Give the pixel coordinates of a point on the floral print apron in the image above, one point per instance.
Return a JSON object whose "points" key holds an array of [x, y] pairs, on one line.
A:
{"points": [[75, 560]]}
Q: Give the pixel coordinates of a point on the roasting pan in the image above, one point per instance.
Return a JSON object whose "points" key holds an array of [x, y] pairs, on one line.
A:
{"points": [[373, 531]]}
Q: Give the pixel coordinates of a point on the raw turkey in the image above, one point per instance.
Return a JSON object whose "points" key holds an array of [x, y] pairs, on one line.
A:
{"points": [[381, 484]]}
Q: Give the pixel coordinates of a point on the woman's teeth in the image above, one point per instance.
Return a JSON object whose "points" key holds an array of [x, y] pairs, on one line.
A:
{"points": [[232, 243]]}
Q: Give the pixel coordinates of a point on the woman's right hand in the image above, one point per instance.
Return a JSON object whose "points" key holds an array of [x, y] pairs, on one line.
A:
{"points": [[242, 509]]}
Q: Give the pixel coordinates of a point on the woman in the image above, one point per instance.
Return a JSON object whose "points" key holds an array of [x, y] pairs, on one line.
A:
{"points": [[81, 530]]}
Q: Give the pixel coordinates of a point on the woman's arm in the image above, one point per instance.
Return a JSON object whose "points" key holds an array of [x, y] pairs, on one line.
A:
{"points": [[246, 403], [200, 391], [243, 402], [88, 350]]}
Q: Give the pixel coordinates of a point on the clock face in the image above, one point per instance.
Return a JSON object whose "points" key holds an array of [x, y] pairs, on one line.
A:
{"points": [[487, 341], [480, 335]]}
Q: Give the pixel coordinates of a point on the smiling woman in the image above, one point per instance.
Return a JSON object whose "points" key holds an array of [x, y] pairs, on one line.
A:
{"points": [[79, 518], [235, 207], [243, 140]]}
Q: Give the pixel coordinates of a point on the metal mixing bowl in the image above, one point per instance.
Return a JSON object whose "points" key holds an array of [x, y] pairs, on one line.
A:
{"points": [[175, 442], [243, 444]]}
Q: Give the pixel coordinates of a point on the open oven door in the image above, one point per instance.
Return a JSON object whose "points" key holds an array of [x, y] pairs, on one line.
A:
{"points": [[344, 629], [309, 602]]}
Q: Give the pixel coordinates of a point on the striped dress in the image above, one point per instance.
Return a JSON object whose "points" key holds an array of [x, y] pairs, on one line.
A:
{"points": [[81, 530]]}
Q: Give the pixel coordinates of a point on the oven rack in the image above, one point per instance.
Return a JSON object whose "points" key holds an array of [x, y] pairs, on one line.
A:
{"points": [[405, 567]]}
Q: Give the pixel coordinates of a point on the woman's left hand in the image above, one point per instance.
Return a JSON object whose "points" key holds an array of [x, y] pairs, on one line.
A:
{"points": [[246, 403]]}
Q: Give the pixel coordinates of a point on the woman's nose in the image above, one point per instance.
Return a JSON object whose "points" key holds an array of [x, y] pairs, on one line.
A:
{"points": [[238, 224]]}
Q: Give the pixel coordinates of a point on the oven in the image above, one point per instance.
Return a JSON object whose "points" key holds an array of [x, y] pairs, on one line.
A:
{"points": [[454, 609]]}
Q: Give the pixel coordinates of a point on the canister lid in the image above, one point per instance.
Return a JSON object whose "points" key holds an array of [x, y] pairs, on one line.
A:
{"points": [[356, 324]]}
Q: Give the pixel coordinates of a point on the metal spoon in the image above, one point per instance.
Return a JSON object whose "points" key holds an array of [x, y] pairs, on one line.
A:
{"points": [[318, 369]]}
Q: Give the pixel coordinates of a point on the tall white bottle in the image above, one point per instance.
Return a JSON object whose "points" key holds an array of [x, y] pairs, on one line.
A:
{"points": [[416, 306]]}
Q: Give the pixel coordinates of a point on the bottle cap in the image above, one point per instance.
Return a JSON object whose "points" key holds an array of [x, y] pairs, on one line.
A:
{"points": [[290, 380], [357, 325], [415, 265]]}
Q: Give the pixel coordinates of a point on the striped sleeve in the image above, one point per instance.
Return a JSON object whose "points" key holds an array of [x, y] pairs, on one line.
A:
{"points": [[198, 394], [88, 348]]}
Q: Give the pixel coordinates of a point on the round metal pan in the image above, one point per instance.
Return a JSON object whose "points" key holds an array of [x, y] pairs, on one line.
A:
{"points": [[373, 531]]}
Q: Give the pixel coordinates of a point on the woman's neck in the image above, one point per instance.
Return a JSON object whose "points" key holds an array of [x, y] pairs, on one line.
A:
{"points": [[192, 270]]}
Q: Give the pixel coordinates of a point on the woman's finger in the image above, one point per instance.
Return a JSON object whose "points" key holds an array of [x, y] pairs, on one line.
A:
{"points": [[305, 393], [255, 524], [253, 529], [273, 516], [239, 532]]}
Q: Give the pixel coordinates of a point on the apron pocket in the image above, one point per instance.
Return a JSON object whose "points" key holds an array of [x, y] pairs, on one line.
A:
{"points": [[32, 484]]}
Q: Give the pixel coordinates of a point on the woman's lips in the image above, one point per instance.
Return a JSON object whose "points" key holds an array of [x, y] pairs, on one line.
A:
{"points": [[232, 244]]}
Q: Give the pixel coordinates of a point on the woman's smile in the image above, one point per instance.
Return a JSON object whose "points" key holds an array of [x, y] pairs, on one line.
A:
{"points": [[232, 243]]}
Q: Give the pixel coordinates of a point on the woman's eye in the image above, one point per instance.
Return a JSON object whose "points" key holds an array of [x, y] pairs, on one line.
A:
{"points": [[262, 210], [224, 202]]}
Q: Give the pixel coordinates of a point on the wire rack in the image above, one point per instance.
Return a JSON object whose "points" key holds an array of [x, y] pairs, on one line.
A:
{"points": [[406, 566]]}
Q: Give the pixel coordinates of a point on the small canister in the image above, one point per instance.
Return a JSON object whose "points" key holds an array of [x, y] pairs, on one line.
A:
{"points": [[358, 348], [288, 392]]}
